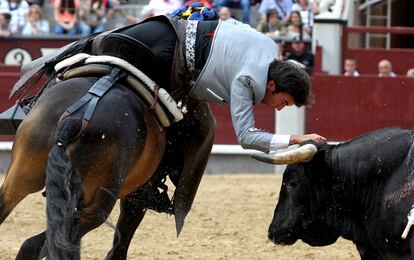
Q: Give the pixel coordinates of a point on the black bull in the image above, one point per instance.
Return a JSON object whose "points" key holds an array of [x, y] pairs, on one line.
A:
{"points": [[361, 190]]}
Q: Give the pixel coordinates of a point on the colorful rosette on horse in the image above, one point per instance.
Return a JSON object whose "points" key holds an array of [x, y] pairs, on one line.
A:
{"points": [[196, 11]]}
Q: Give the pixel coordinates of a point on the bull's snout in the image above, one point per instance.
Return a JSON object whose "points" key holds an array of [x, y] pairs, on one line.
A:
{"points": [[272, 237], [277, 241], [280, 236]]}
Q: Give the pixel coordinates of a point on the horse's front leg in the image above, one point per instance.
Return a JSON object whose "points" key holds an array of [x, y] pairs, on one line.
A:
{"points": [[129, 219]]}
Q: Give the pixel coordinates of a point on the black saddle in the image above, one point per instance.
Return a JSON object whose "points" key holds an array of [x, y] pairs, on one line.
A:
{"points": [[129, 49]]}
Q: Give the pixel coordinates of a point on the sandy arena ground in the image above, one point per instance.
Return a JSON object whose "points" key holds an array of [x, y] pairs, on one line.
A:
{"points": [[229, 220]]}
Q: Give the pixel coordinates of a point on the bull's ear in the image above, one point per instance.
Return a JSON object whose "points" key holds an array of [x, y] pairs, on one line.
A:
{"points": [[321, 157]]}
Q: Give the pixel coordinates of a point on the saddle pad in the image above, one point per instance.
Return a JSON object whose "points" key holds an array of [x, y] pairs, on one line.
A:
{"points": [[163, 95]]}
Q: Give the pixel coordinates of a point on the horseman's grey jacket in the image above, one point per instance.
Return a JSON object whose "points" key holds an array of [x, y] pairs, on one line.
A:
{"points": [[236, 73]]}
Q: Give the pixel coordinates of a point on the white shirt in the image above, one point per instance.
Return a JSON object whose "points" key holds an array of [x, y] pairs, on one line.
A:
{"points": [[355, 74], [392, 74]]}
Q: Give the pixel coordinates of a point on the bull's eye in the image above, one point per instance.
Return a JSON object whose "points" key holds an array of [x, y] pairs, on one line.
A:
{"points": [[292, 184]]}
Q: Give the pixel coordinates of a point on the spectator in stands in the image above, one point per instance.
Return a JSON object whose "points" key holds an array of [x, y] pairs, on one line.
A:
{"points": [[350, 66], [297, 28], [283, 7], [160, 7], [92, 16], [5, 29], [410, 72], [272, 26], [206, 3], [66, 17], [385, 69], [225, 13], [18, 9], [240, 4], [117, 17], [300, 54], [305, 10], [35, 25]]}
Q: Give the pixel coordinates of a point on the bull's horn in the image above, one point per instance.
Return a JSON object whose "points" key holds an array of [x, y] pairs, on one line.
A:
{"points": [[303, 153]]}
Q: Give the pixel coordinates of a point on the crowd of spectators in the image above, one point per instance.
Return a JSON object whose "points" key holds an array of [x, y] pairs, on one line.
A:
{"points": [[70, 17], [293, 17]]}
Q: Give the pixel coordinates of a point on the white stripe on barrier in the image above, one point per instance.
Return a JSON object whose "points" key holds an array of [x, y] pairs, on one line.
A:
{"points": [[217, 148], [6, 146]]}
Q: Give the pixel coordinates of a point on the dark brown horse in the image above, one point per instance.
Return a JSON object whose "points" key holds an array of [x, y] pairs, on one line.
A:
{"points": [[122, 148]]}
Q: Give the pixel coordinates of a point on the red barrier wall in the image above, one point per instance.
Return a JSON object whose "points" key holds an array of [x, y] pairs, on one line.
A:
{"points": [[264, 117], [7, 79], [349, 106], [20, 50]]}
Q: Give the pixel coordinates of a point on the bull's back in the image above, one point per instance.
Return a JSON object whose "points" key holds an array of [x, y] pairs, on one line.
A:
{"points": [[374, 154]]}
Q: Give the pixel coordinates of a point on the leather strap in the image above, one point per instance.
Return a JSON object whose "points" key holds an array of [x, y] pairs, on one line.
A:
{"points": [[98, 90]]}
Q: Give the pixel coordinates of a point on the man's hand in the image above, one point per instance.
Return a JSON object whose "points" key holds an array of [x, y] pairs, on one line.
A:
{"points": [[297, 139]]}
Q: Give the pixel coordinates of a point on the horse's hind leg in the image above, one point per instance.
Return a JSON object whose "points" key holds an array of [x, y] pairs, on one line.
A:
{"points": [[95, 214], [129, 219], [26, 173], [30, 249], [18, 184]]}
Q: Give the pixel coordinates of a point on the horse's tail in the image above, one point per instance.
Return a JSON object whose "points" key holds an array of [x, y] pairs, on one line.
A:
{"points": [[64, 192]]}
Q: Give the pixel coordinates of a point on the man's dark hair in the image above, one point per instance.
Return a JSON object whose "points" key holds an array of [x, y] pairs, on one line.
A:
{"points": [[292, 79]]}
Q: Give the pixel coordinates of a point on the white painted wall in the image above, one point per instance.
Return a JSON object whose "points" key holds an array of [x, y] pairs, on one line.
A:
{"points": [[290, 120], [327, 33]]}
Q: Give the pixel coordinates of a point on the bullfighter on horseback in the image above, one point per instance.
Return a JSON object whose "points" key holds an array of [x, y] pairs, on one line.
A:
{"points": [[196, 62], [216, 61]]}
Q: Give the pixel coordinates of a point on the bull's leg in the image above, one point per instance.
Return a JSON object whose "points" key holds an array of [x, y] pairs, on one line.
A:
{"points": [[129, 219]]}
